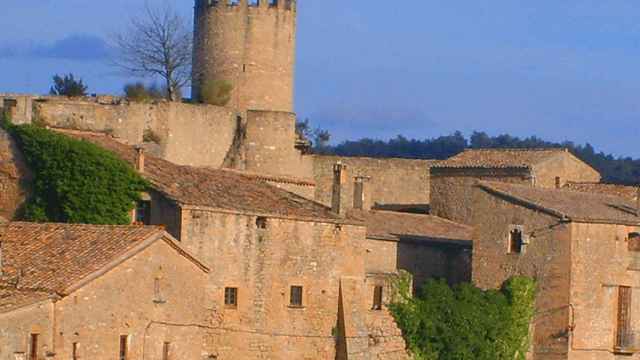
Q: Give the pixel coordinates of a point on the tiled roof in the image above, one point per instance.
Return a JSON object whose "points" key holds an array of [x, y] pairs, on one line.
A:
{"points": [[214, 188], [571, 205], [628, 192], [11, 298], [500, 158], [390, 225], [52, 257]]}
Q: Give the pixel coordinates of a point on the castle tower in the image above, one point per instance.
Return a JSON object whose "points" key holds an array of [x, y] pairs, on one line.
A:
{"points": [[251, 45]]}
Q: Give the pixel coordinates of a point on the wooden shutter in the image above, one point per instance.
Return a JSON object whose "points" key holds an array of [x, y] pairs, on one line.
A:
{"points": [[624, 332]]}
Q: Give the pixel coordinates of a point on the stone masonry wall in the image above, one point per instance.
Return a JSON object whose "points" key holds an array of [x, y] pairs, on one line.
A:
{"points": [[452, 189], [17, 326], [263, 264], [251, 47], [14, 177], [122, 302], [601, 262], [197, 135], [393, 181], [566, 167], [547, 259]]}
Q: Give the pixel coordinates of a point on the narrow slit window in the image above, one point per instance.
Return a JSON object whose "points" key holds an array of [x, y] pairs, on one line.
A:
{"points": [[261, 222], [296, 296], [231, 297], [624, 333], [516, 242], [74, 351], [166, 348], [377, 298], [124, 347]]}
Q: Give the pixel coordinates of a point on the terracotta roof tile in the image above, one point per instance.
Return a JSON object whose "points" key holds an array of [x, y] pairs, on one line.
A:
{"points": [[11, 298], [628, 192], [500, 158], [215, 188], [52, 257], [392, 225], [572, 205]]}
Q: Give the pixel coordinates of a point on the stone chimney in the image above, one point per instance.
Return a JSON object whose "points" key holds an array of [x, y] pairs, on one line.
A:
{"points": [[339, 196], [140, 159], [360, 193]]}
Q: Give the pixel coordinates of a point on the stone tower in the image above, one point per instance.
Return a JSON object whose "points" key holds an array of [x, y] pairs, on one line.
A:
{"points": [[250, 44]]}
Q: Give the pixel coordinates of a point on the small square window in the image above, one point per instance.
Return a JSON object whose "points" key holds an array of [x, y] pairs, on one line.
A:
{"points": [[296, 296], [516, 240], [261, 223], [377, 298], [231, 297]]}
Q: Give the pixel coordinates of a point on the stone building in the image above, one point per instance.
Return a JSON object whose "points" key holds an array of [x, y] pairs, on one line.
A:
{"points": [[583, 251], [290, 278], [452, 180], [627, 192], [98, 292], [426, 246]]}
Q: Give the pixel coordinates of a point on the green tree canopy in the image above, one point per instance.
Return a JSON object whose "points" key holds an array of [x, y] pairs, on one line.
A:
{"points": [[67, 85]]}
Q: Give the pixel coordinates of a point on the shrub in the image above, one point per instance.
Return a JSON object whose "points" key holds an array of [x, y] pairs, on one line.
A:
{"points": [[465, 322], [139, 92], [216, 92], [68, 86], [76, 181]]}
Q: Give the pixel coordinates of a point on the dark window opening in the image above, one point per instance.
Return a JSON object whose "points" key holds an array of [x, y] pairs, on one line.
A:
{"points": [[143, 213], [261, 222], [33, 354], [124, 347], [74, 351], [624, 334], [634, 242], [296, 296], [516, 243], [231, 297], [558, 182], [377, 298], [166, 347]]}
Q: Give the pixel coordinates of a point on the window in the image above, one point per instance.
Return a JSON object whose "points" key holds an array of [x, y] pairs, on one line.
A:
{"points": [[261, 222], [634, 242], [558, 182], [296, 296], [74, 351], [516, 242], [157, 291], [358, 194], [33, 355], [231, 297], [166, 347], [124, 347], [143, 212], [624, 335], [377, 298]]}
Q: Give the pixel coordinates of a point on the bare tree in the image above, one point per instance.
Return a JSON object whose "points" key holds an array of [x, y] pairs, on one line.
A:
{"points": [[158, 44]]}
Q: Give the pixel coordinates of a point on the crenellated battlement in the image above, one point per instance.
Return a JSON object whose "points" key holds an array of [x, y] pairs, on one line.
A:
{"points": [[288, 5]]}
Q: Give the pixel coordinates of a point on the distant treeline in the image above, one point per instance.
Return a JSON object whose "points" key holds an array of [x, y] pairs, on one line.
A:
{"points": [[619, 170]]}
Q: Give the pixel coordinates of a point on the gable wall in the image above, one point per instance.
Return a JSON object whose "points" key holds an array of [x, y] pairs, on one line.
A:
{"points": [[547, 259], [567, 167]]}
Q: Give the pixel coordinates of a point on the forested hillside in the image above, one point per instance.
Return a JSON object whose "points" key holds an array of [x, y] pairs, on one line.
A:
{"points": [[622, 170]]}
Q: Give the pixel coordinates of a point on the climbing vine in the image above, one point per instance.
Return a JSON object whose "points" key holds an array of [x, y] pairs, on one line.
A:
{"points": [[75, 181], [465, 322]]}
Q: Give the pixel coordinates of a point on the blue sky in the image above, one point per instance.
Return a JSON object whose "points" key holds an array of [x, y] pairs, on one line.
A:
{"points": [[421, 68]]}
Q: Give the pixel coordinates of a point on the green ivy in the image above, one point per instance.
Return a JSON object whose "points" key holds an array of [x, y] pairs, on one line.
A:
{"points": [[467, 323], [75, 181]]}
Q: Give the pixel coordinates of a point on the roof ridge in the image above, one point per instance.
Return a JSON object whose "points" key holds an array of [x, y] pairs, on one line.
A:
{"points": [[558, 149]]}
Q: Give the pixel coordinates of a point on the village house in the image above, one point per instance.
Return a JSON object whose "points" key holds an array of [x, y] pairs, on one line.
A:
{"points": [[583, 251], [98, 292], [452, 180], [625, 191]]}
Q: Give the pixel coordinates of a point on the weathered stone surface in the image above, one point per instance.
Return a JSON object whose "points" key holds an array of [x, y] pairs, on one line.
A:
{"points": [[14, 177]]}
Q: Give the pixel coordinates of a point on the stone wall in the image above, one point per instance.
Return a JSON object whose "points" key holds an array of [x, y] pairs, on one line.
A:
{"points": [[124, 301], [186, 134], [14, 177], [566, 168], [18, 107], [251, 47], [452, 189], [392, 181], [601, 262], [263, 264], [270, 145], [547, 259]]}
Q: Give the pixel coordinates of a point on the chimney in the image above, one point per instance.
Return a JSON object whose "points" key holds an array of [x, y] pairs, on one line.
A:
{"points": [[140, 159], [338, 204], [360, 195]]}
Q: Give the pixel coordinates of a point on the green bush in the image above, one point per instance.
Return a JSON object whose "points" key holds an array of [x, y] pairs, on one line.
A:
{"points": [[75, 181], [216, 92], [139, 92], [467, 323], [67, 85]]}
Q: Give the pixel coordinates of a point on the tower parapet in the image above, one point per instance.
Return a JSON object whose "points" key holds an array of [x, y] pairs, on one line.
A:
{"points": [[249, 44]]}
